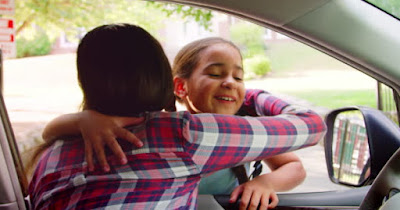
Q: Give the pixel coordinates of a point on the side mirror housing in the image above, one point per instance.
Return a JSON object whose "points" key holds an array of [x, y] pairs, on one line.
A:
{"points": [[358, 143]]}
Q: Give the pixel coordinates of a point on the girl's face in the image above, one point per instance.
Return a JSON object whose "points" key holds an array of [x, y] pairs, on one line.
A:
{"points": [[216, 84]]}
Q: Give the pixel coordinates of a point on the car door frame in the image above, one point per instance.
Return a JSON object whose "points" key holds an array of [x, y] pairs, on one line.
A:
{"points": [[13, 181]]}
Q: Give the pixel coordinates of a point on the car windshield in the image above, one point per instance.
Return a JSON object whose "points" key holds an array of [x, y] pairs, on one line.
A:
{"points": [[391, 7]]}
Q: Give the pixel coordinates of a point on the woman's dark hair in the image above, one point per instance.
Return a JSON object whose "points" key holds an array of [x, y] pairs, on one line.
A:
{"points": [[123, 71]]}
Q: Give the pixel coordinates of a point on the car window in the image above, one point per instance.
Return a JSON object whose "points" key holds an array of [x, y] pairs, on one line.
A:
{"points": [[37, 89], [388, 102]]}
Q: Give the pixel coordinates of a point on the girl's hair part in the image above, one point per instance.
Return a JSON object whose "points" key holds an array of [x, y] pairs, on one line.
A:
{"points": [[188, 57]]}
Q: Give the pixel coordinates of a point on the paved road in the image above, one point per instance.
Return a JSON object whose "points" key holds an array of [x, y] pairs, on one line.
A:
{"points": [[317, 178], [41, 88]]}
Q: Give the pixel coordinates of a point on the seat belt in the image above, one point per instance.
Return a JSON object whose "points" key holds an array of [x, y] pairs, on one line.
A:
{"points": [[241, 174], [257, 169]]}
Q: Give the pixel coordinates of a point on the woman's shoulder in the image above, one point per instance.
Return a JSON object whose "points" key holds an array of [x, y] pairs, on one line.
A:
{"points": [[60, 156], [166, 114], [180, 115]]}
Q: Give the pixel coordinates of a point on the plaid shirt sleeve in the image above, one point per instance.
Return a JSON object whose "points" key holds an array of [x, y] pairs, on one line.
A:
{"points": [[222, 141], [179, 146], [254, 104]]}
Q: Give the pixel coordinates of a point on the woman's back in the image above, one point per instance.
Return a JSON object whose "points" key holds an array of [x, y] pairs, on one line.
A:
{"points": [[164, 173]]}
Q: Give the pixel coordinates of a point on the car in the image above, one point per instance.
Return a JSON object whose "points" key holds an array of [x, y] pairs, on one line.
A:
{"points": [[362, 143]]}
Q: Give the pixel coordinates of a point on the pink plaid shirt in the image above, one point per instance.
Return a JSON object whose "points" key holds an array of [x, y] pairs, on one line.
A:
{"points": [[179, 148]]}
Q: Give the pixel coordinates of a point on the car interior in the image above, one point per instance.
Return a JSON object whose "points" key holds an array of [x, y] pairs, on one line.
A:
{"points": [[356, 33]]}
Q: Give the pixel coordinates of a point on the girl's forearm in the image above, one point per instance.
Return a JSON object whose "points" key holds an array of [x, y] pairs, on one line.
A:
{"points": [[285, 177], [67, 124]]}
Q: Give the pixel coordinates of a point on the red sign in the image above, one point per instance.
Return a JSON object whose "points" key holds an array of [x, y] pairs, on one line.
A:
{"points": [[7, 40], [7, 7]]}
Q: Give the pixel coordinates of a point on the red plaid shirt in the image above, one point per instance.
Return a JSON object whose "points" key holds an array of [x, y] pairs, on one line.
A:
{"points": [[179, 148]]}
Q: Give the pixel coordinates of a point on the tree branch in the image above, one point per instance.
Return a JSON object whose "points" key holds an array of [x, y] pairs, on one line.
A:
{"points": [[25, 24]]}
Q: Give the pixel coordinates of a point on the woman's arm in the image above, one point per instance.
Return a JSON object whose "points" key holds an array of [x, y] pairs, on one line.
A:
{"points": [[97, 130], [225, 140]]}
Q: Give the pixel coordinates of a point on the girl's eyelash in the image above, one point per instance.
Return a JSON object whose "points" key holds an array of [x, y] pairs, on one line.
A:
{"points": [[217, 75]]}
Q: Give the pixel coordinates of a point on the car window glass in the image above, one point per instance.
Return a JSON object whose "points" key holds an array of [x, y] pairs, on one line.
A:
{"points": [[388, 102]]}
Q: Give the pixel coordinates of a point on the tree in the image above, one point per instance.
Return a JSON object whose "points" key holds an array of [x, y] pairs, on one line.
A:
{"points": [[249, 38], [54, 16], [202, 17]]}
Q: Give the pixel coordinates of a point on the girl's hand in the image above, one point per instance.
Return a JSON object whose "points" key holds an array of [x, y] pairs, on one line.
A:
{"points": [[99, 130], [255, 193]]}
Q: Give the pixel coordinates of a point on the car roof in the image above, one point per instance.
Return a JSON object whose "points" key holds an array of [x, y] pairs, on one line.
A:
{"points": [[354, 32]]}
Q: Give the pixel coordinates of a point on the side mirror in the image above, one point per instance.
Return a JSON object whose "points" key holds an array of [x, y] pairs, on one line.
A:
{"points": [[359, 141]]}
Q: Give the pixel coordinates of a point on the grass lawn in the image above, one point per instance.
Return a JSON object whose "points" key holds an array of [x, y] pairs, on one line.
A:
{"points": [[291, 56], [288, 57], [333, 99]]}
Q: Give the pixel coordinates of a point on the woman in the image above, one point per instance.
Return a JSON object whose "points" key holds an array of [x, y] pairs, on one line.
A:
{"points": [[134, 80]]}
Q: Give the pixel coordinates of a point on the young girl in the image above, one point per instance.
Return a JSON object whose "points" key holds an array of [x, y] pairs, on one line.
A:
{"points": [[133, 79], [208, 79]]}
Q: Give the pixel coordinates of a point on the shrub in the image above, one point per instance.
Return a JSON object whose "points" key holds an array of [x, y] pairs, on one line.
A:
{"points": [[256, 66], [38, 44]]}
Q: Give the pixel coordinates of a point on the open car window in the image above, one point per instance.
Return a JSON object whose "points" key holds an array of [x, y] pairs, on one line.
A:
{"points": [[294, 71]]}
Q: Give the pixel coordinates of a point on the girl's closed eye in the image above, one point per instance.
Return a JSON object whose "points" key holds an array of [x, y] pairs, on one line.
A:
{"points": [[238, 79], [214, 71]]}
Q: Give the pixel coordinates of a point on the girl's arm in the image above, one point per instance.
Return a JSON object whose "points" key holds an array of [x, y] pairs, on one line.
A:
{"points": [[287, 170], [97, 130], [261, 103], [62, 125]]}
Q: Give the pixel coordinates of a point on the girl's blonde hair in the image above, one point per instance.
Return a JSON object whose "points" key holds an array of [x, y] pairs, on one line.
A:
{"points": [[187, 58]]}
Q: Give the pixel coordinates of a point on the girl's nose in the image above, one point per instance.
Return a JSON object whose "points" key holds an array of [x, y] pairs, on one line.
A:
{"points": [[229, 83]]}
